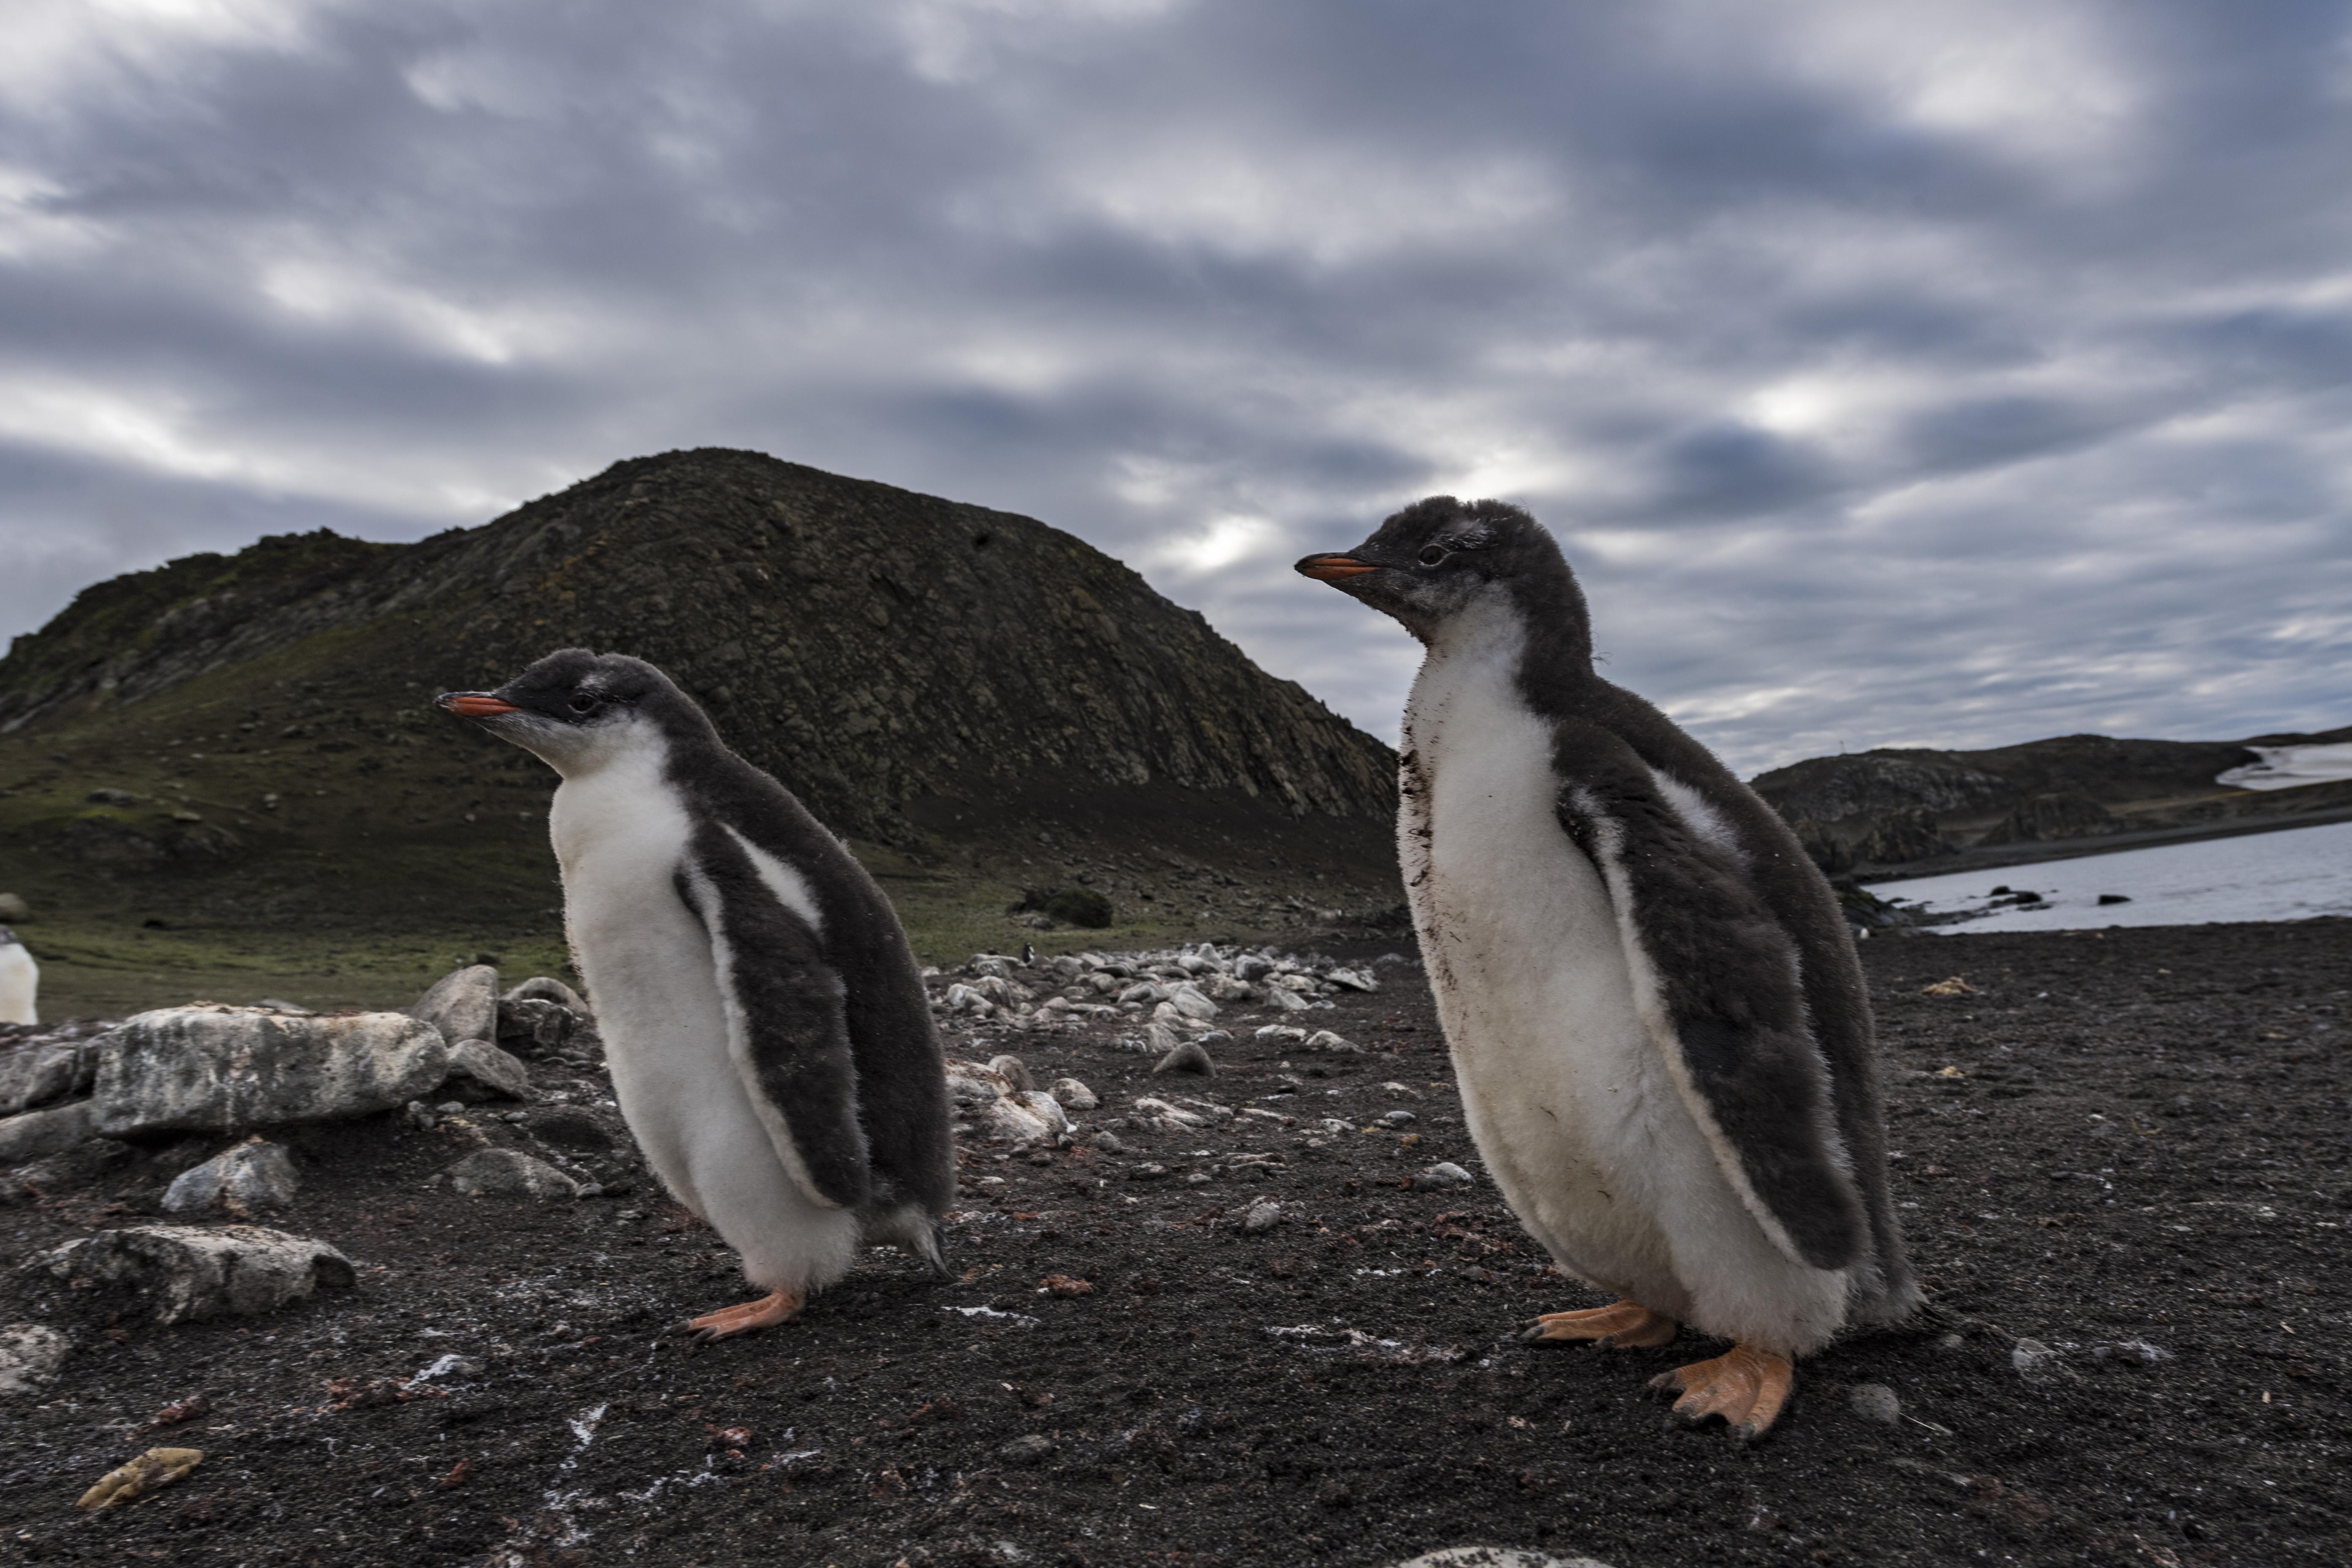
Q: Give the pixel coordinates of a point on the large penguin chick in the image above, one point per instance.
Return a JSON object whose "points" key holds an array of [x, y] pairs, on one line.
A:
{"points": [[768, 1039], [1650, 998]]}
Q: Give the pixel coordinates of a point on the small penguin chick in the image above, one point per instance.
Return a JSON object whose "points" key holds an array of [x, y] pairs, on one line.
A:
{"points": [[1650, 998], [20, 982], [765, 1022]]}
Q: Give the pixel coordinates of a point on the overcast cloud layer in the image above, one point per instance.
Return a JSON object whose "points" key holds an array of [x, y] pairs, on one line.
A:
{"points": [[1894, 375]]}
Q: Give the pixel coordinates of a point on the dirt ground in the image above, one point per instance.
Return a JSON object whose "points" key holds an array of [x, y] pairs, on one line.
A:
{"points": [[2143, 1142]]}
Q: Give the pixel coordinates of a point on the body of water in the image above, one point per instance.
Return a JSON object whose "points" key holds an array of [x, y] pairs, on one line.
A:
{"points": [[2290, 875]]}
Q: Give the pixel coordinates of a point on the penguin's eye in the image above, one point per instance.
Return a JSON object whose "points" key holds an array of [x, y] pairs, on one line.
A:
{"points": [[1433, 554], [583, 703]]}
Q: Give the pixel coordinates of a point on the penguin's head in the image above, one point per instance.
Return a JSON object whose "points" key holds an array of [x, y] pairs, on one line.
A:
{"points": [[1441, 559], [576, 711]]}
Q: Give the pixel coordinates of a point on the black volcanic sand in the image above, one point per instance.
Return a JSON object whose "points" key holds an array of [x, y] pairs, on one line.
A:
{"points": [[2147, 1145]]}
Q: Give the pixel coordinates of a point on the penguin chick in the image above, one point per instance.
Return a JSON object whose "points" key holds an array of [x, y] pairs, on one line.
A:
{"points": [[769, 1042], [1653, 1003], [20, 982]]}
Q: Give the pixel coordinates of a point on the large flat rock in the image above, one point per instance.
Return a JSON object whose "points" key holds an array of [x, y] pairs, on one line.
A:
{"points": [[209, 1068]]}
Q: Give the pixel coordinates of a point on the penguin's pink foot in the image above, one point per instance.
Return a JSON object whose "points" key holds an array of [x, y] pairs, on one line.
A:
{"points": [[764, 1313], [1747, 1388], [1626, 1326]]}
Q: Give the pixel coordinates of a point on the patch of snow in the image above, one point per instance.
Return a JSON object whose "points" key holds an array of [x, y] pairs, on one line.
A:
{"points": [[2288, 767]]}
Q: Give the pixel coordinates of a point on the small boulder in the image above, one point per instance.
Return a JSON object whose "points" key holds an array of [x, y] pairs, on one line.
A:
{"points": [[1283, 1000], [1072, 1095], [479, 1071], [46, 1131], [1353, 980], [192, 1275], [463, 1003], [509, 1173], [1015, 1071], [211, 1068], [986, 1105], [1325, 1040], [541, 988], [252, 1175], [1031, 1449], [534, 1026], [30, 1355], [1262, 1217], [1446, 1173], [41, 1071]]}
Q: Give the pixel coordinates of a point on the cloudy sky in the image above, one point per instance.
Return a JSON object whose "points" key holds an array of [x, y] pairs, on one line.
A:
{"points": [[1895, 374]]}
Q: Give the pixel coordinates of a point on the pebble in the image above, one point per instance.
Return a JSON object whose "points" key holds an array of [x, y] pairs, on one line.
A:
{"points": [[1146, 1172], [1400, 1117], [1015, 1071], [2131, 1353], [509, 1173], [1874, 1402], [191, 1275], [1325, 1040], [2034, 1360], [1073, 1095], [1108, 1142], [1497, 1557], [1187, 1057], [1279, 1032], [1032, 1449], [1446, 1173], [30, 1355], [1261, 1218]]}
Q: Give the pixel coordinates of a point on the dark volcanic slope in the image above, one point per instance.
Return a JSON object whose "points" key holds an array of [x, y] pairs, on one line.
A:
{"points": [[2140, 1138], [870, 646]]}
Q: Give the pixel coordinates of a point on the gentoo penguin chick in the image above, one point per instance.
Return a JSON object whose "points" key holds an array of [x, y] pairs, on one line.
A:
{"points": [[769, 1038], [20, 982], [1652, 1003]]}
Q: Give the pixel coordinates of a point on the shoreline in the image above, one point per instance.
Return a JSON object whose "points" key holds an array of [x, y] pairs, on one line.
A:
{"points": [[2105, 844]]}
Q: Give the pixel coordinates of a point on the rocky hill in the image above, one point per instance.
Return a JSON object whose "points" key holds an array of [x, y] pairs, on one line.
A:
{"points": [[1922, 810], [963, 692]]}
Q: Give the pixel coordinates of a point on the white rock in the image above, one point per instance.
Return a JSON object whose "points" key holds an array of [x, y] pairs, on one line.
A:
{"points": [[1072, 1095], [1874, 1402], [1282, 1001], [543, 988], [986, 1106], [48, 1130], [463, 1003], [1446, 1173], [192, 1275], [1353, 978], [509, 1173], [1160, 1115], [1279, 1032], [1188, 1000], [30, 1355], [211, 1068], [1225, 988], [1325, 1040], [1015, 1071], [252, 1175], [1262, 1217], [2034, 1360], [1497, 1557]]}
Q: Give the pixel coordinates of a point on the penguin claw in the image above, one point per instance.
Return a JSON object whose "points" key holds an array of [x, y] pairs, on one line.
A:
{"points": [[777, 1307], [1747, 1388], [1623, 1326]]}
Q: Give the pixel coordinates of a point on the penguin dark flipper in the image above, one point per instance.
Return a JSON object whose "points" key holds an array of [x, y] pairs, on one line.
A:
{"points": [[1720, 983], [1623, 1326]]}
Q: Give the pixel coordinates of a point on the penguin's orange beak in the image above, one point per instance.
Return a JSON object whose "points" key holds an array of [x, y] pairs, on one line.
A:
{"points": [[474, 704], [1333, 568]]}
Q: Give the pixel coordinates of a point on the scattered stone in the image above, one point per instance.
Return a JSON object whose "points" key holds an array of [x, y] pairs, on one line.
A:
{"points": [[1281, 1000], [509, 1173], [1188, 1000], [1190, 1057], [1280, 1032], [1015, 1071], [1072, 1095], [38, 1133], [1399, 1118], [1325, 1040], [541, 988], [985, 1105], [30, 1355], [1159, 1116], [213, 1068], [1031, 1449], [156, 1468], [1354, 980], [1446, 1173], [1262, 1217], [192, 1275], [479, 1071], [1955, 987], [1225, 988], [1108, 1142], [2036, 1362], [1064, 1287], [534, 1025], [253, 1175], [1874, 1402], [1403, 1089], [2131, 1353], [1146, 1172], [1159, 1038], [463, 1003]]}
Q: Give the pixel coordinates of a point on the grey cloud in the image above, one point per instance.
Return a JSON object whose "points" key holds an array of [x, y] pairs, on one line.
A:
{"points": [[1959, 387]]}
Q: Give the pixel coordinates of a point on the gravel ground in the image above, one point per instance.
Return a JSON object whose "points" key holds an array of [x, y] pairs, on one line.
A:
{"points": [[2122, 1163]]}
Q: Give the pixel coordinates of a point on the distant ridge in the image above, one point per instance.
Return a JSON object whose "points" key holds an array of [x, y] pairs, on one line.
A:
{"points": [[1919, 809]]}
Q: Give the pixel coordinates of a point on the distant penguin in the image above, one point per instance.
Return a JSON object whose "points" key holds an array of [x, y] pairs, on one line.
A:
{"points": [[20, 982], [770, 1041], [1655, 1010]]}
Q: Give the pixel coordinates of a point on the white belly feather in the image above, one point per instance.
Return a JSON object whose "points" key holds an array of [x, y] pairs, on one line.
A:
{"points": [[1567, 1096], [621, 834]]}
